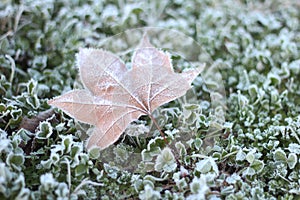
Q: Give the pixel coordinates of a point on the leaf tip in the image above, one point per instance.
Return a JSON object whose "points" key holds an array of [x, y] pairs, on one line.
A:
{"points": [[50, 102], [145, 42], [191, 74]]}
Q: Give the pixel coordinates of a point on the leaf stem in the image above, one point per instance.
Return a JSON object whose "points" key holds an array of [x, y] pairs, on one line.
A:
{"points": [[13, 67], [158, 127], [163, 135], [68, 175]]}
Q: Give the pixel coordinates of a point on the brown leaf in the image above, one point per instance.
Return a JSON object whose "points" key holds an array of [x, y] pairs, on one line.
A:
{"points": [[115, 96], [31, 124]]}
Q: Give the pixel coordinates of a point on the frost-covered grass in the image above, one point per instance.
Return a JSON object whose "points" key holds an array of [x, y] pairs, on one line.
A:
{"points": [[254, 156]]}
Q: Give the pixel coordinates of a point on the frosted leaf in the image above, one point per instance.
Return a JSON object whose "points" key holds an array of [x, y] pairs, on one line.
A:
{"points": [[115, 96]]}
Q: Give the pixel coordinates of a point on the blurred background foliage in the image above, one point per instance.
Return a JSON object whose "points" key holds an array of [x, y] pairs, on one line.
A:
{"points": [[254, 44]]}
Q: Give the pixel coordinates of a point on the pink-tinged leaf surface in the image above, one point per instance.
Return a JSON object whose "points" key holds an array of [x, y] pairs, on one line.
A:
{"points": [[115, 96], [100, 71]]}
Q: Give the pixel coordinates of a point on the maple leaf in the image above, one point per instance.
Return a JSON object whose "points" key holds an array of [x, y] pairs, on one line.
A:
{"points": [[115, 96]]}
